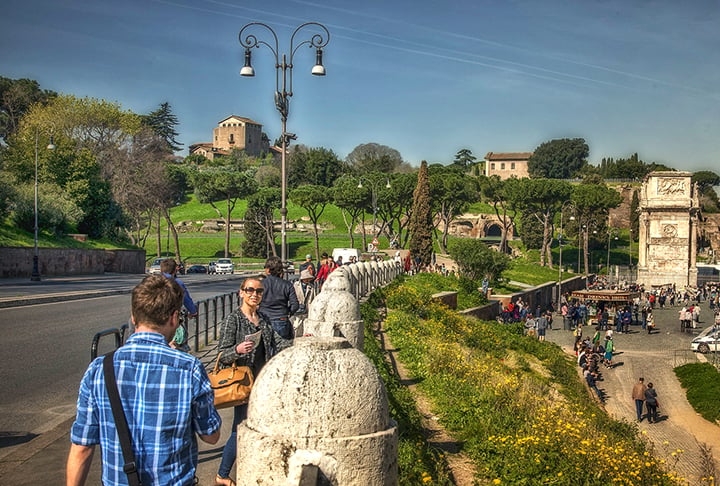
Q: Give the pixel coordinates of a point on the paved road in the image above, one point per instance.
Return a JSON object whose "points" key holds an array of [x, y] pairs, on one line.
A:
{"points": [[46, 331], [654, 357]]}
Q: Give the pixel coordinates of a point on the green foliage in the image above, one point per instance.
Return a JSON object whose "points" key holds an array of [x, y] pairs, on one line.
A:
{"points": [[418, 463], [369, 157], [7, 195], [464, 159], [484, 380], [350, 199], [421, 223], [702, 382], [635, 215], [163, 122], [559, 159], [16, 98], [631, 168], [424, 285], [476, 261], [531, 231], [259, 234], [451, 194], [315, 166], [57, 214]]}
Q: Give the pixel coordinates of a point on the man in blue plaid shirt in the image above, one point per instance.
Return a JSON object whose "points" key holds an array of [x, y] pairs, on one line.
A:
{"points": [[165, 394]]}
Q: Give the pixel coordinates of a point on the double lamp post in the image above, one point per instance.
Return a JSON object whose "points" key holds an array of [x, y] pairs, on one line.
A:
{"points": [[284, 89]]}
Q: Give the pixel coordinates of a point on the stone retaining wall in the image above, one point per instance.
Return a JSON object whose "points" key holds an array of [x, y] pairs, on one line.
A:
{"points": [[18, 262]]}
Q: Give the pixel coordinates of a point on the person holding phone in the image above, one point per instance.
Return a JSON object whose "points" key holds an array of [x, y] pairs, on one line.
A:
{"points": [[240, 343]]}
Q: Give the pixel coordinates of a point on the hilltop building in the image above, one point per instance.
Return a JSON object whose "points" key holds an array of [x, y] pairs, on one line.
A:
{"points": [[234, 132], [507, 164]]}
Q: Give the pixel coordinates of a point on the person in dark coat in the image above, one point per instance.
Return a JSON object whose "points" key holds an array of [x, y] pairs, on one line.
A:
{"points": [[280, 301]]}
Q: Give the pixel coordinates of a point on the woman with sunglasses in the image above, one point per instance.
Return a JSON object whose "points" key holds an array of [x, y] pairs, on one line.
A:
{"points": [[238, 343]]}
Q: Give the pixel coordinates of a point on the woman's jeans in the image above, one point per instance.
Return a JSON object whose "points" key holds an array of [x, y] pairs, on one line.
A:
{"points": [[230, 450]]}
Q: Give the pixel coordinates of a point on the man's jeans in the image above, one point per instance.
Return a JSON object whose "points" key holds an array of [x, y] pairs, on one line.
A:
{"points": [[639, 408], [283, 326]]}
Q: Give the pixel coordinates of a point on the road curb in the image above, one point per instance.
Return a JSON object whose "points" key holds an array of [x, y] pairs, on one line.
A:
{"points": [[8, 302], [24, 453]]}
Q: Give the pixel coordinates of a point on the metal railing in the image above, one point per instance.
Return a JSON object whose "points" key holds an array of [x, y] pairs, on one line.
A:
{"points": [[203, 329]]}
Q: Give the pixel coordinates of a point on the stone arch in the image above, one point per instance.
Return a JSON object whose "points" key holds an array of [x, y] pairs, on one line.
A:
{"points": [[493, 229]]}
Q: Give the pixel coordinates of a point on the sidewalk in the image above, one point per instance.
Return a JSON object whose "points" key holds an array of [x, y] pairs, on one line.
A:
{"points": [[654, 357], [42, 460]]}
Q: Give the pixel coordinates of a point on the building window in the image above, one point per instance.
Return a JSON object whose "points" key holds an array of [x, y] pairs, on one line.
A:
{"points": [[231, 138], [502, 165], [512, 165], [492, 165]]}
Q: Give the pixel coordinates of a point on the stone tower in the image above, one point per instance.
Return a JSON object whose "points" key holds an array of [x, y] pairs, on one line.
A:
{"points": [[669, 210]]}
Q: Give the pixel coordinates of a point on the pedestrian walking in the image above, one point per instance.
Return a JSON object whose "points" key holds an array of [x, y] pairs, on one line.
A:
{"points": [[651, 403], [609, 348], [164, 393], [638, 394]]}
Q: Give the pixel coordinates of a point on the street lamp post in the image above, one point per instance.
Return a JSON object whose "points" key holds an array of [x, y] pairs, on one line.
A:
{"points": [[607, 260], [581, 230], [284, 90], [560, 237], [373, 200], [35, 275]]}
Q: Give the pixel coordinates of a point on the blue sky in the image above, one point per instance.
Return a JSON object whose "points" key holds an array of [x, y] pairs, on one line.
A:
{"points": [[424, 77]]}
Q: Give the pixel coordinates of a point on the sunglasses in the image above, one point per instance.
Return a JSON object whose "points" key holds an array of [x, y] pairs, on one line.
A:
{"points": [[253, 290]]}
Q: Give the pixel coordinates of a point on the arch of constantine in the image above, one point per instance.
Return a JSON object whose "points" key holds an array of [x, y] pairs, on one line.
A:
{"points": [[669, 211]]}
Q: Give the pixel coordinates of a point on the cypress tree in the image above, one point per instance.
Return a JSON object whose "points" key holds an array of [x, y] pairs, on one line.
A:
{"points": [[421, 223]]}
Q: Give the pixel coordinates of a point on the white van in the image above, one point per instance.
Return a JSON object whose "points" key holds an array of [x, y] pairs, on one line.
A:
{"points": [[346, 253]]}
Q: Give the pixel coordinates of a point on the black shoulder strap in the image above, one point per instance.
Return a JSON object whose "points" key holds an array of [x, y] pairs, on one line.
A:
{"points": [[121, 424]]}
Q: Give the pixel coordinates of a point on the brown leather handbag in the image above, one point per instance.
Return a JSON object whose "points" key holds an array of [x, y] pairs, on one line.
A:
{"points": [[232, 385]]}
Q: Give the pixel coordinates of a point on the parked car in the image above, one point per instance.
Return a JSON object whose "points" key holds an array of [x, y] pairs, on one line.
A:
{"points": [[224, 265], [211, 267], [708, 340], [197, 269], [155, 267]]}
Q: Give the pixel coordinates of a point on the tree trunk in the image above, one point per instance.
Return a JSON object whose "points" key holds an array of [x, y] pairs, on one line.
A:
{"points": [[159, 237], [176, 240], [364, 233]]}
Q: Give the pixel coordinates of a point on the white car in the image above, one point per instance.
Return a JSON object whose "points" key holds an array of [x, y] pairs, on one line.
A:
{"points": [[155, 267], [224, 265], [708, 340]]}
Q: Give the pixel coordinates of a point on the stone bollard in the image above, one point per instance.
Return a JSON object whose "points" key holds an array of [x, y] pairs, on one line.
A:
{"points": [[336, 312], [318, 414]]}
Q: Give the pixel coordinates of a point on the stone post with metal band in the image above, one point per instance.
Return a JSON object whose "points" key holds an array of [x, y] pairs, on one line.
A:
{"points": [[336, 312], [318, 414]]}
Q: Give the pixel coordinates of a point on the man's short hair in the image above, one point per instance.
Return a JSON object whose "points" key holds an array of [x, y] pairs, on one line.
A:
{"points": [[155, 299], [168, 266], [274, 266]]}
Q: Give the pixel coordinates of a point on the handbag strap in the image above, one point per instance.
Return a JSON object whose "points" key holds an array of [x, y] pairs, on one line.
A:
{"points": [[130, 467]]}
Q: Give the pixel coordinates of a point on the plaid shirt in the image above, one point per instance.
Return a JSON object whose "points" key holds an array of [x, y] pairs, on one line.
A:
{"points": [[167, 399]]}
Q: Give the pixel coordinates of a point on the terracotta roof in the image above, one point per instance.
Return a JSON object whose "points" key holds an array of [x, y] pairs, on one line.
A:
{"points": [[508, 156], [240, 118], [206, 145]]}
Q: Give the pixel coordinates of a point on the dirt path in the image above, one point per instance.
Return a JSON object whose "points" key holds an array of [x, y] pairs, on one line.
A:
{"points": [[461, 467], [654, 357]]}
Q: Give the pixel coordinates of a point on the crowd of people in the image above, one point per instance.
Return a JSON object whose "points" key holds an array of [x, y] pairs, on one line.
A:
{"points": [[164, 391]]}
